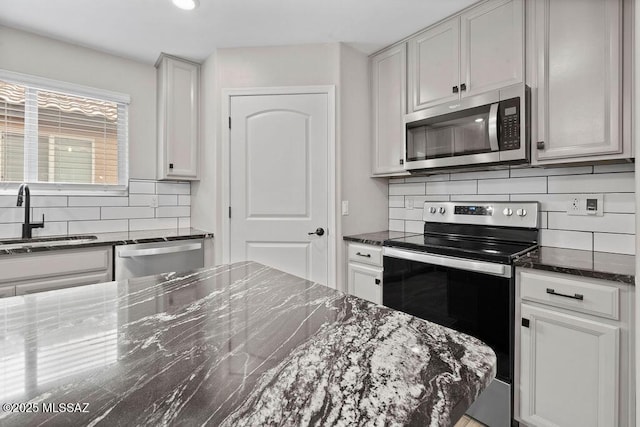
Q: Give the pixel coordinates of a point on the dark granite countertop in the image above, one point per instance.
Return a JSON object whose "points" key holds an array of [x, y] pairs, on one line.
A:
{"points": [[377, 238], [233, 345], [599, 265], [105, 239]]}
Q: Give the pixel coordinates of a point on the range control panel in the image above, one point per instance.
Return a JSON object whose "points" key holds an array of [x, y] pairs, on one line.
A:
{"points": [[507, 214]]}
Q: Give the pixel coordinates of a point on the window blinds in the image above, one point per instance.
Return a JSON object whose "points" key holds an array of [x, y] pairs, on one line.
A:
{"points": [[51, 136]]}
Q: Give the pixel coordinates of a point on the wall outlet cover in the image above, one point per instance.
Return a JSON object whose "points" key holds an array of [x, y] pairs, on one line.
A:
{"points": [[345, 207], [585, 204]]}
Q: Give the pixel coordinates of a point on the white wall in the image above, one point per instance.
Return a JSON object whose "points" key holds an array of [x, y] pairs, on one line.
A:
{"points": [[41, 56], [316, 64], [552, 187]]}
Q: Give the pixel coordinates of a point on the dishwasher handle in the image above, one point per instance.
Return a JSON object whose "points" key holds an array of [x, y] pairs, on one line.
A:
{"points": [[130, 253]]}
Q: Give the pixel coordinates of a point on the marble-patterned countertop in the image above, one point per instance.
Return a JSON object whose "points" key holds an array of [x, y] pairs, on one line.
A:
{"points": [[106, 239], [377, 238], [599, 265], [233, 345]]}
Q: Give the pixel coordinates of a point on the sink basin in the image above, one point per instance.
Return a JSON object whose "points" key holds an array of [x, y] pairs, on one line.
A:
{"points": [[45, 241]]}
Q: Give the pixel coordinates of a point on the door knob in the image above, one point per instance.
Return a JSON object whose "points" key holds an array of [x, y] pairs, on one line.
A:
{"points": [[319, 231]]}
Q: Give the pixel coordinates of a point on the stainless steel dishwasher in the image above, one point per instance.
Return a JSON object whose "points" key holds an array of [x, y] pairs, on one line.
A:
{"points": [[145, 259]]}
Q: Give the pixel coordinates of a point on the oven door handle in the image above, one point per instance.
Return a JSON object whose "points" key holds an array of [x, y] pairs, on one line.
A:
{"points": [[445, 261]]}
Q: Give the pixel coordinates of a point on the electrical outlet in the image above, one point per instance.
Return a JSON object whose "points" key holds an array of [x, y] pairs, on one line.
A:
{"points": [[410, 203], [585, 204], [154, 202]]}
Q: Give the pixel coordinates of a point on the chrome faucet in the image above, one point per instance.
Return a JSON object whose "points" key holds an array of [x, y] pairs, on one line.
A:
{"points": [[27, 226]]}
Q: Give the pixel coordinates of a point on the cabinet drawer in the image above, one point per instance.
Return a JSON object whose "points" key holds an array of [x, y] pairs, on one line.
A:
{"points": [[578, 294], [365, 254]]}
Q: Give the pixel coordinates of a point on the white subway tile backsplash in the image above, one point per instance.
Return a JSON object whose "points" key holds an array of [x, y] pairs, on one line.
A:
{"points": [[612, 232], [414, 226], [141, 199], [98, 201], [103, 226], [479, 197], [597, 183], [171, 200], [566, 239], [396, 201], [98, 214], [415, 188], [502, 173], [173, 188], [126, 212], [513, 185], [152, 224], [396, 225], [142, 187], [66, 214], [618, 243], [452, 187], [610, 223], [620, 202], [173, 211], [184, 222]]}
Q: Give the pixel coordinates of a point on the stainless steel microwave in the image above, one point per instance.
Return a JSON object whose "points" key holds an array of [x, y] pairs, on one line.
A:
{"points": [[490, 128]]}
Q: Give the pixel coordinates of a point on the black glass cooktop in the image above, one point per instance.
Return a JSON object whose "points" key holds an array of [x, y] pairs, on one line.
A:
{"points": [[463, 247]]}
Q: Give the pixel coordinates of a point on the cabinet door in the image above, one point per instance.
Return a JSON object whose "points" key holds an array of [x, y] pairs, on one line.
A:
{"points": [[434, 64], [579, 78], [568, 370], [62, 282], [178, 119], [365, 282], [388, 89], [492, 46]]}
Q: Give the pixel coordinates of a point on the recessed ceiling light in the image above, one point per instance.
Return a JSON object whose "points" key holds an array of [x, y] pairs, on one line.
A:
{"points": [[186, 4]]}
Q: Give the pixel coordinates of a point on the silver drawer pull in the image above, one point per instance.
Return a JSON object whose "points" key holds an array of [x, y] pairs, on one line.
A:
{"points": [[129, 253], [364, 255], [574, 296]]}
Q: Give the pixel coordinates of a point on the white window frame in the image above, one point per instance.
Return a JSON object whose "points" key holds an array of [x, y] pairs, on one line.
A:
{"points": [[123, 101]]}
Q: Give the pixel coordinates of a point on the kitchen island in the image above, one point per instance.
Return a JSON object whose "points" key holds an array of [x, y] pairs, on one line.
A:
{"points": [[240, 344]]}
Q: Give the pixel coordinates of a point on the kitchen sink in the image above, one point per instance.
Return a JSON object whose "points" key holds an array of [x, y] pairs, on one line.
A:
{"points": [[45, 241]]}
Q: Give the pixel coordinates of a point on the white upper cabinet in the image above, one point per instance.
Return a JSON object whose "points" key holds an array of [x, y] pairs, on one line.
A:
{"points": [[388, 91], [434, 64], [491, 46], [480, 50], [178, 118], [579, 73]]}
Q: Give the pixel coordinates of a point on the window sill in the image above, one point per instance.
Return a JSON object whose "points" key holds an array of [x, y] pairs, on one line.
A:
{"points": [[46, 189]]}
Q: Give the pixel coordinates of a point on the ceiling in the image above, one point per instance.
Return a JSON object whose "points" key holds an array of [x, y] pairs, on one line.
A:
{"points": [[141, 29]]}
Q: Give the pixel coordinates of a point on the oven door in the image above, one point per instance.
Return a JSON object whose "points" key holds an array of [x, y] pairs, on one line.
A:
{"points": [[474, 297]]}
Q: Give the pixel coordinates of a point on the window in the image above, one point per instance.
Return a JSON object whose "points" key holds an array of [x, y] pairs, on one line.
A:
{"points": [[61, 136]]}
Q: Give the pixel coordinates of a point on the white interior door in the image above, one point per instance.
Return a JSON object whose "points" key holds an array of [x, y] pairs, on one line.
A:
{"points": [[279, 182]]}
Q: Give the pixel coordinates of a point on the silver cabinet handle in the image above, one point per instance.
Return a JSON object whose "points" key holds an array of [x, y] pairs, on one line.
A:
{"points": [[159, 251], [364, 255]]}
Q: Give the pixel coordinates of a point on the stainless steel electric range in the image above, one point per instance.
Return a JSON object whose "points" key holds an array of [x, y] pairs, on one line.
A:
{"points": [[460, 273]]}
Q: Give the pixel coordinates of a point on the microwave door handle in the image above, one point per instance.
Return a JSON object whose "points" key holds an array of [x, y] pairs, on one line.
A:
{"points": [[493, 127]]}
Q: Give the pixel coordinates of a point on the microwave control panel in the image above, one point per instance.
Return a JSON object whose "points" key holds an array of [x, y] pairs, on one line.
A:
{"points": [[509, 114]]}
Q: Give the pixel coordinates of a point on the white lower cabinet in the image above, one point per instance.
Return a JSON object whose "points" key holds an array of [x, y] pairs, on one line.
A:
{"points": [[364, 272], [573, 368], [45, 271]]}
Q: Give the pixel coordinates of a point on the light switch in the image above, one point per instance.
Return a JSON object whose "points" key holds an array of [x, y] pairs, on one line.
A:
{"points": [[345, 207]]}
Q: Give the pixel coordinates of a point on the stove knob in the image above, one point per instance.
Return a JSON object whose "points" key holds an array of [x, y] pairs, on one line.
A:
{"points": [[507, 211], [432, 210], [441, 210], [521, 212]]}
